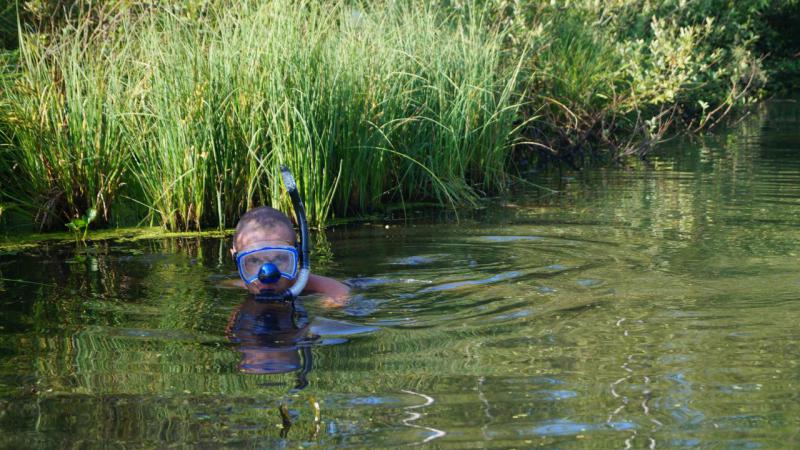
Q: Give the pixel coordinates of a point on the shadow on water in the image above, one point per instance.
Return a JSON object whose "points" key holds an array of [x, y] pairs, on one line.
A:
{"points": [[651, 306]]}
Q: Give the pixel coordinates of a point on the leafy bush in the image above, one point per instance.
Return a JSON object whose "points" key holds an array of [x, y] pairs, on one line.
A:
{"points": [[613, 77]]}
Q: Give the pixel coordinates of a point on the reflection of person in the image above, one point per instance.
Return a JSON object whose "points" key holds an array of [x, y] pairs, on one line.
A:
{"points": [[273, 337], [265, 241]]}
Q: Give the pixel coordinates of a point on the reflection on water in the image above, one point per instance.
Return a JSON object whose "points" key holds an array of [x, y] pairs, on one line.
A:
{"points": [[273, 337], [652, 306]]}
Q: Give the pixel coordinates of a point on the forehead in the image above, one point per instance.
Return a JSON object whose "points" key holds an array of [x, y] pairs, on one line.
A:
{"points": [[253, 235]]}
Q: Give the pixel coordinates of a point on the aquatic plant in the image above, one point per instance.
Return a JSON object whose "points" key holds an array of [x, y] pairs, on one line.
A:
{"points": [[80, 226]]}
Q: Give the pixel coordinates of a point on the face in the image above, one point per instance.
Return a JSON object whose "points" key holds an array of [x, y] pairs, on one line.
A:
{"points": [[254, 238]]}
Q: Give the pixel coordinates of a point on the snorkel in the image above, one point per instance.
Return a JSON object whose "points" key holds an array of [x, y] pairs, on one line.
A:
{"points": [[300, 214], [269, 272]]}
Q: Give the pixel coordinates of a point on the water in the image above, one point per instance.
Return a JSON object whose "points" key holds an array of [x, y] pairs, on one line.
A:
{"points": [[649, 306]]}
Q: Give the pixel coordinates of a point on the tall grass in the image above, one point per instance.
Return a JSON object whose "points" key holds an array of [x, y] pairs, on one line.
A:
{"points": [[186, 111], [63, 116], [194, 116]]}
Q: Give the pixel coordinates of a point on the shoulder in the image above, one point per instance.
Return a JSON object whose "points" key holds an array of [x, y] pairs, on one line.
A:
{"points": [[328, 287]]}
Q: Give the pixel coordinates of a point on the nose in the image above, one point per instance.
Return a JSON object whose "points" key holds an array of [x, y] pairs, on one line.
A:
{"points": [[269, 274]]}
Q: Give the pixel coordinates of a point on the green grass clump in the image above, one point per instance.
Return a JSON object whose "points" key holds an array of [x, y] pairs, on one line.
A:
{"points": [[64, 148], [191, 117]]}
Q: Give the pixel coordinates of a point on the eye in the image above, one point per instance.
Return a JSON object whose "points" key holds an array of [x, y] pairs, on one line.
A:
{"points": [[253, 261]]}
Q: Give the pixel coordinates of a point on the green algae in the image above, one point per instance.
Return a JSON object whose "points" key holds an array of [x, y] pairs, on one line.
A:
{"points": [[12, 243]]}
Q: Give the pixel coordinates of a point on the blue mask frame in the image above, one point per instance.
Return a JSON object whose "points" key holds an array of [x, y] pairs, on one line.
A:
{"points": [[289, 276]]}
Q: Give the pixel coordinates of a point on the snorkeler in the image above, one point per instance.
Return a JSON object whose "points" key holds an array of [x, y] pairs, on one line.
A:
{"points": [[271, 264], [267, 259], [271, 328]]}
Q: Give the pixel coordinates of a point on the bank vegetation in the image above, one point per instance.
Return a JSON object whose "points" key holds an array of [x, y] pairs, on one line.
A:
{"points": [[179, 113]]}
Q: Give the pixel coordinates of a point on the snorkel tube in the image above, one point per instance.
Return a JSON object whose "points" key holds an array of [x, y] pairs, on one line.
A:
{"points": [[268, 272], [300, 213]]}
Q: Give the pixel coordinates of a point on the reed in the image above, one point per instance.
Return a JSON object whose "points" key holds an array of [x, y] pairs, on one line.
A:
{"points": [[181, 115], [190, 117], [65, 148]]}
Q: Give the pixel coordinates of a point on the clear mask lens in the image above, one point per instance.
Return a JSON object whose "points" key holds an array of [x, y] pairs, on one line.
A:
{"points": [[251, 261]]}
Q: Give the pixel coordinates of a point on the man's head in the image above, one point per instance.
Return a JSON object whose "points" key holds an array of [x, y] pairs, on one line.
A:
{"points": [[259, 228]]}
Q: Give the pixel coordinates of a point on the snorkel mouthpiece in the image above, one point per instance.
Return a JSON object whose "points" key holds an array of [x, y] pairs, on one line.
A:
{"points": [[269, 273]]}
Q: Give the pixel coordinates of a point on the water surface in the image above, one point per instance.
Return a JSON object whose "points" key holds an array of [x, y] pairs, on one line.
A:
{"points": [[647, 306]]}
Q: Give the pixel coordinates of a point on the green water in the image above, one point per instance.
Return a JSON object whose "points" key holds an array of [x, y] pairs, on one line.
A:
{"points": [[654, 306]]}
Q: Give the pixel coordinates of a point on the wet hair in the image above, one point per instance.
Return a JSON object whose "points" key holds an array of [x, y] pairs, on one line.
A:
{"points": [[264, 218]]}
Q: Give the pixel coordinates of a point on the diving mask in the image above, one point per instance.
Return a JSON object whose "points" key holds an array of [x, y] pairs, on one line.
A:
{"points": [[268, 263]]}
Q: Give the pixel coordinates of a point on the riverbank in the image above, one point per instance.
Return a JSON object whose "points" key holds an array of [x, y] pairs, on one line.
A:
{"points": [[179, 117]]}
